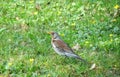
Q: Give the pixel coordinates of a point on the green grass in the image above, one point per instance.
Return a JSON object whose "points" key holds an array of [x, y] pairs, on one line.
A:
{"points": [[25, 48]]}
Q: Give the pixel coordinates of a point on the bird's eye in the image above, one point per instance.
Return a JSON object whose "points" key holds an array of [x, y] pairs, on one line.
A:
{"points": [[52, 33]]}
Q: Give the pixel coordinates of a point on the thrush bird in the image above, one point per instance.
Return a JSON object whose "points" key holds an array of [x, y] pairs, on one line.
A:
{"points": [[61, 47]]}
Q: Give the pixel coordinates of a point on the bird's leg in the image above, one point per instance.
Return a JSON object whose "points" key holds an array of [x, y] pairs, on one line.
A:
{"points": [[65, 59]]}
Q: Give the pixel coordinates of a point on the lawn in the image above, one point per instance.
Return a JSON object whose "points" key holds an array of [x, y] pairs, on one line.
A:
{"points": [[90, 27]]}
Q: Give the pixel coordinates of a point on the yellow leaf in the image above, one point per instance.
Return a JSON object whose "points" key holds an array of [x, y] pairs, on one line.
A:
{"points": [[116, 6], [114, 20], [59, 12], [9, 64], [111, 35], [62, 34], [73, 24], [35, 13], [31, 60], [31, 1]]}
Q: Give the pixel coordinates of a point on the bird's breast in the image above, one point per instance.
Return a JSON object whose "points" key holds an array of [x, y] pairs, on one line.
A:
{"points": [[58, 50]]}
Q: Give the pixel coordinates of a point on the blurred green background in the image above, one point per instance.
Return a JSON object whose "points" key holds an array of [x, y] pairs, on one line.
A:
{"points": [[90, 27]]}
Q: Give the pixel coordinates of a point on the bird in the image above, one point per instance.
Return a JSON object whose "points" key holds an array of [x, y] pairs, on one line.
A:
{"points": [[61, 48]]}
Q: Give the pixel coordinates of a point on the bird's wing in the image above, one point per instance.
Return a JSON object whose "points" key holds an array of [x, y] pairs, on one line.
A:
{"points": [[60, 44], [68, 51]]}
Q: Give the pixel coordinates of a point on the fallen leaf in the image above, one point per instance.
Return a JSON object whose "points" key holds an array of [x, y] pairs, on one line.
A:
{"points": [[93, 66]]}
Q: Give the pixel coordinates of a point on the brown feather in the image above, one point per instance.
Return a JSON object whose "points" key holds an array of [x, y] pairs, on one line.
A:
{"points": [[62, 45]]}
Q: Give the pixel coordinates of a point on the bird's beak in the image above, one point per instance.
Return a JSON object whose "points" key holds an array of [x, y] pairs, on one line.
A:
{"points": [[49, 32]]}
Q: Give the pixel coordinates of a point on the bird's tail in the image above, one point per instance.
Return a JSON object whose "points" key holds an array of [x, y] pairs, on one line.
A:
{"points": [[75, 56], [80, 59]]}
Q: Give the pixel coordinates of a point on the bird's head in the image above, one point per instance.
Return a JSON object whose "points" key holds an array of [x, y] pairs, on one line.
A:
{"points": [[54, 35]]}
